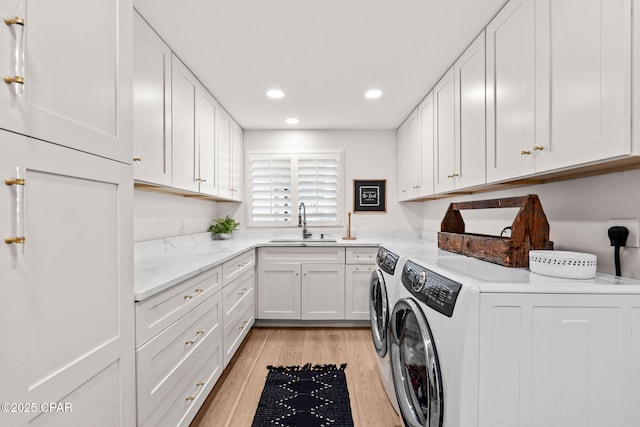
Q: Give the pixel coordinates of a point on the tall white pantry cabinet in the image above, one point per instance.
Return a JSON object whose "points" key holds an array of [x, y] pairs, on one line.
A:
{"points": [[66, 214]]}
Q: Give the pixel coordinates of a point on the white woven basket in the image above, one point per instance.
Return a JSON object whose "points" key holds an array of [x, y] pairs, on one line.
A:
{"points": [[564, 264]]}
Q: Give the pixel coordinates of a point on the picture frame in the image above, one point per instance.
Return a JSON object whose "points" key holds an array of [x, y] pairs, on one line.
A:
{"points": [[369, 195]]}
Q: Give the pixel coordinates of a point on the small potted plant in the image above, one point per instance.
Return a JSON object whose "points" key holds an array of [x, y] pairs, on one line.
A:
{"points": [[223, 227]]}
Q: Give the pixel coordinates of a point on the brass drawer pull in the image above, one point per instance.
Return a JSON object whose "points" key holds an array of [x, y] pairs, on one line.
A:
{"points": [[538, 148], [15, 79], [200, 383], [200, 332], [198, 290], [525, 153], [14, 181], [10, 240], [189, 342], [188, 297], [14, 21], [188, 398], [137, 159]]}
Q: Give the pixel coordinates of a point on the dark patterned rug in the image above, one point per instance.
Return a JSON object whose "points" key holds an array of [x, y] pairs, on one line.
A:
{"points": [[304, 396]]}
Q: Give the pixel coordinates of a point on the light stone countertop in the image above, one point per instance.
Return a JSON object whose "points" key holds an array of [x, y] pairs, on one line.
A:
{"points": [[162, 263]]}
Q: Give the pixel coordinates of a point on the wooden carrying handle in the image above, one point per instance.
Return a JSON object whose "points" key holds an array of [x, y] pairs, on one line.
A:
{"points": [[530, 220]]}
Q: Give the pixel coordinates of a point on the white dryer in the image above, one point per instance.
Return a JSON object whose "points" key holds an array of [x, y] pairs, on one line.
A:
{"points": [[477, 344], [382, 287]]}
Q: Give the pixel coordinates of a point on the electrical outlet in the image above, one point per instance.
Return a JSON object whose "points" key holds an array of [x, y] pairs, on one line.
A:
{"points": [[633, 225]]}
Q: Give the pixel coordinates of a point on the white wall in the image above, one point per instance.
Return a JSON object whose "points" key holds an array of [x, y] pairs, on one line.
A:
{"points": [[158, 215], [578, 212], [368, 155]]}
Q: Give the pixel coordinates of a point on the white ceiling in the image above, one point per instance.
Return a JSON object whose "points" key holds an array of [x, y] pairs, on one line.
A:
{"points": [[323, 54]]}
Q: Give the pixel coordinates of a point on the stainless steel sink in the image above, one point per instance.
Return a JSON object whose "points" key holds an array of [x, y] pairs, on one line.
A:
{"points": [[301, 240]]}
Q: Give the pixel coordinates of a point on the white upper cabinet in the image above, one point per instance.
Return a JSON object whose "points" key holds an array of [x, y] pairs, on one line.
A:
{"points": [[470, 123], [151, 106], [67, 69], [408, 158], [510, 91], [194, 115], [237, 150], [183, 105], [426, 143], [444, 119], [583, 82], [207, 148], [225, 151]]}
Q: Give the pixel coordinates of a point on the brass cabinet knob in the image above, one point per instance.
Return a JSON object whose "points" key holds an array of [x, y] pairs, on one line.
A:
{"points": [[525, 153], [538, 148], [137, 159]]}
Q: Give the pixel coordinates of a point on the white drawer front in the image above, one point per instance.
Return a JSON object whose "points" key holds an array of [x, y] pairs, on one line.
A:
{"points": [[163, 361], [181, 404], [155, 314], [236, 291], [238, 265], [363, 255], [238, 327], [302, 254]]}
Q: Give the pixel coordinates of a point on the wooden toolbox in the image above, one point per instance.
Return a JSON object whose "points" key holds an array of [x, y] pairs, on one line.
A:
{"points": [[530, 230]]}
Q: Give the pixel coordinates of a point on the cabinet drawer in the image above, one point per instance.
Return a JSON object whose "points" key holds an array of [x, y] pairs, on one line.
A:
{"points": [[235, 292], [363, 255], [182, 403], [237, 327], [155, 314], [238, 265], [299, 254], [165, 359]]}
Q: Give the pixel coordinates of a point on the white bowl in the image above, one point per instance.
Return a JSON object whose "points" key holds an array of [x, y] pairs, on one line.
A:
{"points": [[564, 264]]}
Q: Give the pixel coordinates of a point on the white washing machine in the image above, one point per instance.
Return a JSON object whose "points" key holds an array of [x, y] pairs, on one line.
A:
{"points": [[382, 297], [477, 344], [382, 286]]}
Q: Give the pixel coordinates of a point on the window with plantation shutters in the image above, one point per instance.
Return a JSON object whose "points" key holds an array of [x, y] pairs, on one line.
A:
{"points": [[278, 183]]}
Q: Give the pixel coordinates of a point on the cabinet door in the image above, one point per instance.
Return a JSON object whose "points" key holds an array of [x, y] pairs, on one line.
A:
{"points": [[444, 117], [511, 91], [75, 59], [469, 85], [225, 142], [408, 158], [426, 145], [151, 106], [322, 291], [278, 291], [67, 294], [207, 148], [183, 105], [583, 75], [236, 162], [356, 298]]}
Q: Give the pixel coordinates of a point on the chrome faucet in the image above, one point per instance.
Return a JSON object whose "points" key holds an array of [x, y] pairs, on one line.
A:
{"points": [[302, 220]]}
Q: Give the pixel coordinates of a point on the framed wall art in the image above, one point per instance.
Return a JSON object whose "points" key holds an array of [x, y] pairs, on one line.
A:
{"points": [[369, 195]]}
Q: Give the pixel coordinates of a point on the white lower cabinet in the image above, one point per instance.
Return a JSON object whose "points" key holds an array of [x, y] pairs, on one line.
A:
{"points": [[360, 265], [238, 297], [314, 283], [67, 286], [180, 363]]}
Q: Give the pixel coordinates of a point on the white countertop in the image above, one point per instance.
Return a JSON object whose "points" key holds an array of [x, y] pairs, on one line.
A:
{"points": [[162, 263]]}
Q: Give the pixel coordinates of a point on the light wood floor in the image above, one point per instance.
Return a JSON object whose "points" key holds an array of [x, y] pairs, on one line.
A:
{"points": [[235, 397]]}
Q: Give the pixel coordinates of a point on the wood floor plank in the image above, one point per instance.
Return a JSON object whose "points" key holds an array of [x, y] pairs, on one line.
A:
{"points": [[235, 397]]}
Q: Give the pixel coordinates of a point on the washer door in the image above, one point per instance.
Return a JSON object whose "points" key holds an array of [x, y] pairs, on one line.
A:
{"points": [[379, 312], [415, 366]]}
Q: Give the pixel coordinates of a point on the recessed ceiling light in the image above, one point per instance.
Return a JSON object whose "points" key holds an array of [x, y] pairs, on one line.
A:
{"points": [[292, 121], [373, 93], [275, 93]]}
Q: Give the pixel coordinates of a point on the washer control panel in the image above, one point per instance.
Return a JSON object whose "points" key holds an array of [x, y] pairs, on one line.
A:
{"points": [[436, 291], [387, 260]]}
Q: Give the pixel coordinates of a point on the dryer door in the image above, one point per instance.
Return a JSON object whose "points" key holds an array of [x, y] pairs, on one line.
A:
{"points": [[379, 312], [415, 367]]}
